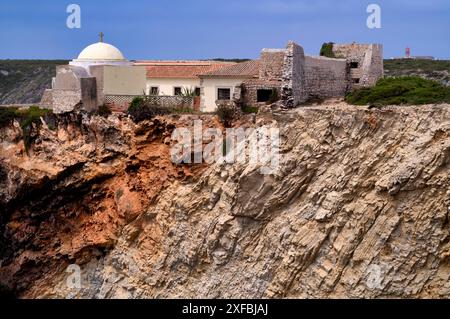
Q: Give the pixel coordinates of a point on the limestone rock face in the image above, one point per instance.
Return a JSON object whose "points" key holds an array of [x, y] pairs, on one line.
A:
{"points": [[359, 208]]}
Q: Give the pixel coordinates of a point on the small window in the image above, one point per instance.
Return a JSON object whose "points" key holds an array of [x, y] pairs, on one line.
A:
{"points": [[356, 81], [197, 92], [177, 90], [354, 65], [154, 90], [263, 95], [223, 94]]}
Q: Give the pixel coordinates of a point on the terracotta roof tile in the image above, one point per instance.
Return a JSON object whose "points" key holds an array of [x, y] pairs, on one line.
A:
{"points": [[244, 69], [180, 69]]}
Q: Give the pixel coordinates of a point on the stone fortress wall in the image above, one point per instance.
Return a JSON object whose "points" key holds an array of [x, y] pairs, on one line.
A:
{"points": [[314, 77], [72, 88], [325, 77], [365, 62], [293, 90]]}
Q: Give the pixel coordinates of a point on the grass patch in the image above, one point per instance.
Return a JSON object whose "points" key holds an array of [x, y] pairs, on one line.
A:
{"points": [[401, 91], [250, 109], [183, 110]]}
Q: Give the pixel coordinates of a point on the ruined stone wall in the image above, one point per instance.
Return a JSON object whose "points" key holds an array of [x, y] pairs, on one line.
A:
{"points": [[47, 99], [369, 59], [325, 77], [68, 77], [293, 90], [374, 65], [271, 65], [65, 100], [251, 87], [73, 89]]}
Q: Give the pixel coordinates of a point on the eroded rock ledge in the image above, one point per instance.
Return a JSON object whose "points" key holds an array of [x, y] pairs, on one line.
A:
{"points": [[359, 208]]}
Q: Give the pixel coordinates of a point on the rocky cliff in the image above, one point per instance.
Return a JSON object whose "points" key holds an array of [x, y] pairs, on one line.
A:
{"points": [[360, 207]]}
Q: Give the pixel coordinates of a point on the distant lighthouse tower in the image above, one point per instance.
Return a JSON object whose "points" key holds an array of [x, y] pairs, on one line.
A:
{"points": [[408, 53]]}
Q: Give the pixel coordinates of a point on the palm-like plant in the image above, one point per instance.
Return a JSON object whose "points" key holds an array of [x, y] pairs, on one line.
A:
{"points": [[188, 92]]}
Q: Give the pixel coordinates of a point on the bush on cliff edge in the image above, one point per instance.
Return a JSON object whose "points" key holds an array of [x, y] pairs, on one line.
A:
{"points": [[401, 91], [26, 117], [142, 109]]}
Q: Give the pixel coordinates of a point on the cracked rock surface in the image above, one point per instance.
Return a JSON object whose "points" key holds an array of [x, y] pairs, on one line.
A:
{"points": [[359, 208]]}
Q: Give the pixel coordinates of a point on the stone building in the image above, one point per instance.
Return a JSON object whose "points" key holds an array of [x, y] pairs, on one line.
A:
{"points": [[293, 77], [298, 77], [100, 71]]}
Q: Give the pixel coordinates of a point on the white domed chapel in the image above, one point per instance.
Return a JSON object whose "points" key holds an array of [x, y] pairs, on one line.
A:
{"points": [[99, 71]]}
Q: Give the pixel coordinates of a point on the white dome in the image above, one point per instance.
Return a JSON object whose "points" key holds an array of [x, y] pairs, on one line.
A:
{"points": [[101, 51]]}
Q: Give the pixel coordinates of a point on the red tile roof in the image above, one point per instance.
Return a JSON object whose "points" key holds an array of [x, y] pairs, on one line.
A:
{"points": [[181, 69], [249, 69]]}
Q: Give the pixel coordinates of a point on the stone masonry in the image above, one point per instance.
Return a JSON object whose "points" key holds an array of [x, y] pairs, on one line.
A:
{"points": [[271, 66], [299, 78], [293, 90], [325, 77], [365, 62], [73, 89]]}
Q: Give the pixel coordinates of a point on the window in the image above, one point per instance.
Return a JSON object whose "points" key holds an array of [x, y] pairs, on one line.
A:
{"points": [[354, 65], [197, 92], [177, 90], [154, 90], [356, 81], [263, 95], [223, 94]]}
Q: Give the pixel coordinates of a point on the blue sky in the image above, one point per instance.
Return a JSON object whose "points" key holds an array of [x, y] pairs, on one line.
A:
{"points": [[195, 29]]}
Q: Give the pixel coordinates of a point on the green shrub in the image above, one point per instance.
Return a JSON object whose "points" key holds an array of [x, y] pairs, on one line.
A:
{"points": [[142, 109], [226, 114], [137, 102], [31, 115], [27, 118], [188, 92], [104, 111], [7, 116], [327, 50], [402, 90]]}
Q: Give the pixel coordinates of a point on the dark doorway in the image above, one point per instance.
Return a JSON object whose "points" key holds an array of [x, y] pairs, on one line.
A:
{"points": [[263, 95]]}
